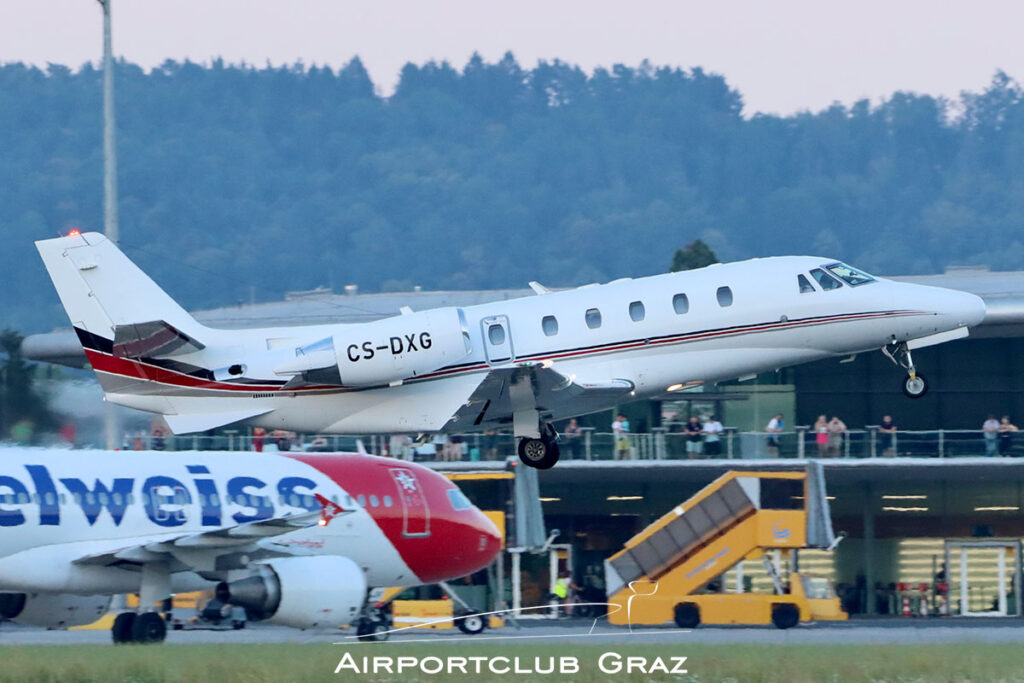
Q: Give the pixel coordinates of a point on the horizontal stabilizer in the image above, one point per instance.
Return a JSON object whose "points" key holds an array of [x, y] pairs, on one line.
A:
{"points": [[200, 422], [152, 339]]}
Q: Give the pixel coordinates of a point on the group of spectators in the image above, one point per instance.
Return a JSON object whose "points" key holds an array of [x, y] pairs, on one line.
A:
{"points": [[998, 435], [703, 439]]}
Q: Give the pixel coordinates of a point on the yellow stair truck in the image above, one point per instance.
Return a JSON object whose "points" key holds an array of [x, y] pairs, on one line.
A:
{"points": [[662, 574]]}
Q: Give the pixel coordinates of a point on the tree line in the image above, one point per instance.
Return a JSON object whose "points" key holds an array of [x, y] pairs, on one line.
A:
{"points": [[238, 182]]}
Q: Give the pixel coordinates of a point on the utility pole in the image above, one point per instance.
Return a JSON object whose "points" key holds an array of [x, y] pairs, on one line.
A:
{"points": [[111, 423]]}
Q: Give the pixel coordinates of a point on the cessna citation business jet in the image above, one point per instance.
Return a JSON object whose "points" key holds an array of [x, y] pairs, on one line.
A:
{"points": [[521, 363], [295, 540]]}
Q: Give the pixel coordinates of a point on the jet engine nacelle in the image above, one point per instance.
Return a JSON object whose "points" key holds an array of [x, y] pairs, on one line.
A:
{"points": [[53, 610], [384, 351], [302, 592]]}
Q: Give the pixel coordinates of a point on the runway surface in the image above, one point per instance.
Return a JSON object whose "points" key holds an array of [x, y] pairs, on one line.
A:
{"points": [[874, 631]]}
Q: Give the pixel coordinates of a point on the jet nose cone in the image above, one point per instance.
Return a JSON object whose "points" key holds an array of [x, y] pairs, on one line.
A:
{"points": [[482, 542], [969, 309]]}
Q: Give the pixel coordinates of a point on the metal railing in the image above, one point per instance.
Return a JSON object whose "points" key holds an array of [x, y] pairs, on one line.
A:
{"points": [[659, 444]]}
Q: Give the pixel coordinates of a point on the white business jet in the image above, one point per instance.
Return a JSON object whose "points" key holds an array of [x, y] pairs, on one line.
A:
{"points": [[520, 363]]}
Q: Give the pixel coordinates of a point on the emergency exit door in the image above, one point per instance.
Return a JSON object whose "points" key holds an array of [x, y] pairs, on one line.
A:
{"points": [[497, 339]]}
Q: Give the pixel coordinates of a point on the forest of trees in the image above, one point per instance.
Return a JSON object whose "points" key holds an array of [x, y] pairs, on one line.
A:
{"points": [[239, 182]]}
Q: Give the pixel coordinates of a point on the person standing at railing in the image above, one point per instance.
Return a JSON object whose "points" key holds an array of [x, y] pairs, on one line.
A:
{"points": [[821, 435], [258, 434], [991, 430], [571, 437], [886, 432], [1006, 430], [694, 438], [712, 435], [836, 431], [774, 428], [620, 427]]}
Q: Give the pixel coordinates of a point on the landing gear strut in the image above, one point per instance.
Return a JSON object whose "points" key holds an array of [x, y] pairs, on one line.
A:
{"points": [[542, 453], [915, 385]]}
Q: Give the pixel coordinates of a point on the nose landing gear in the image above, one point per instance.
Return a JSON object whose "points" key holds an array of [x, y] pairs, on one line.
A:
{"points": [[915, 385]]}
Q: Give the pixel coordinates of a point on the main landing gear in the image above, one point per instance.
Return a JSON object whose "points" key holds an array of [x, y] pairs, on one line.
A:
{"points": [[145, 628], [540, 453], [915, 385]]}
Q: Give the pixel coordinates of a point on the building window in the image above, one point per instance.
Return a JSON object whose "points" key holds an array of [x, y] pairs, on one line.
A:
{"points": [[805, 285], [549, 324], [681, 303], [636, 311], [724, 295], [593, 318]]}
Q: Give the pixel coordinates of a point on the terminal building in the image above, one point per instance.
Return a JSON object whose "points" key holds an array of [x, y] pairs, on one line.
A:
{"points": [[932, 509]]}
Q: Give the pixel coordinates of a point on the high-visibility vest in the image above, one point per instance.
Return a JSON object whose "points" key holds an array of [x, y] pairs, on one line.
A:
{"points": [[561, 588]]}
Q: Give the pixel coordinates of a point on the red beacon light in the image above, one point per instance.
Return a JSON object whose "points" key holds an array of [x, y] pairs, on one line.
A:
{"points": [[74, 232]]}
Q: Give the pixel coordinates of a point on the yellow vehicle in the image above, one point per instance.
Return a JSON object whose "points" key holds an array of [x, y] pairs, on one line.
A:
{"points": [[667, 573]]}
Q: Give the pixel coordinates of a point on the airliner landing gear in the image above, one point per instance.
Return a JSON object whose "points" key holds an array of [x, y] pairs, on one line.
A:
{"points": [[915, 385], [542, 453], [145, 628]]}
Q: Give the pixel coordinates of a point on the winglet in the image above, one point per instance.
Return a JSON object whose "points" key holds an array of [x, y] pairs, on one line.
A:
{"points": [[329, 510], [538, 288]]}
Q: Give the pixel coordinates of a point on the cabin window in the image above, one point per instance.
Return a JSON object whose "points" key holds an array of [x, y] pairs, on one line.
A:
{"points": [[680, 303], [361, 499], [496, 334], [593, 318], [724, 295], [309, 502], [636, 311], [103, 498], [851, 276], [549, 324], [50, 498], [805, 285], [826, 281], [387, 501], [374, 502]]}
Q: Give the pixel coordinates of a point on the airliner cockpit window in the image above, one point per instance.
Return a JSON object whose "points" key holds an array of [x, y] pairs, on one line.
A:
{"points": [[458, 500], [805, 285], [826, 281], [851, 276]]}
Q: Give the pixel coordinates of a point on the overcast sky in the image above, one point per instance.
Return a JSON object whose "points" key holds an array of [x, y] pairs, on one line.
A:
{"points": [[783, 55]]}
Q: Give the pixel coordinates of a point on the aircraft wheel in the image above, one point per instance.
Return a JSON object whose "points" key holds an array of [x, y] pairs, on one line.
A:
{"points": [[687, 615], [121, 631], [373, 630], [472, 624], [915, 387], [541, 454], [149, 627], [785, 615]]}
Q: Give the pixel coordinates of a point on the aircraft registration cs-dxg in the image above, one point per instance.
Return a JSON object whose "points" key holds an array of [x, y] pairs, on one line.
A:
{"points": [[521, 363], [295, 540]]}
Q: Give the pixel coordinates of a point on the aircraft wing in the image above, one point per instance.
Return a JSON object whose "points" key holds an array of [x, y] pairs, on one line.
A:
{"points": [[491, 404], [216, 549]]}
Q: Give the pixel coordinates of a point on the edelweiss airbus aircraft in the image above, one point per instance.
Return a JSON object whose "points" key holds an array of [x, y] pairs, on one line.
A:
{"points": [[521, 363], [295, 540]]}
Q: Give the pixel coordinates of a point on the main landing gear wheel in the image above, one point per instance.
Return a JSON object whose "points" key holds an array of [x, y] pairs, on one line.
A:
{"points": [[541, 454], [149, 627], [372, 630], [915, 386], [121, 631]]}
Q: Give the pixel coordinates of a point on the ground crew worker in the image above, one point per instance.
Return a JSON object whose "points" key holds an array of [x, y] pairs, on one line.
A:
{"points": [[561, 590]]}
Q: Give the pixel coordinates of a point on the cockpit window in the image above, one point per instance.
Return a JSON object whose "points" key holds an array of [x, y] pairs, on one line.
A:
{"points": [[458, 500], [851, 276], [826, 281], [805, 285]]}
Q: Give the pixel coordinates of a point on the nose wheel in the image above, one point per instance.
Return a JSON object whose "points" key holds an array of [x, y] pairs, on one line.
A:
{"points": [[915, 385]]}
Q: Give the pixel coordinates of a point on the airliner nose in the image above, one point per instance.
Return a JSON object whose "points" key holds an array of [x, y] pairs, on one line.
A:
{"points": [[481, 541]]}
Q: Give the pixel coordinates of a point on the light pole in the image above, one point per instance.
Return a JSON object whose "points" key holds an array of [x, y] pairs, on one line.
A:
{"points": [[111, 423]]}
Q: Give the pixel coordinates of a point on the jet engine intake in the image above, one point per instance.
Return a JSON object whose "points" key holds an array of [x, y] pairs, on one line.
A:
{"points": [[302, 592]]}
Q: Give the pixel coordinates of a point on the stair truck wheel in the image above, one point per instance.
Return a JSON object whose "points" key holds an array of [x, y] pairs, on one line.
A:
{"points": [[687, 615], [785, 615]]}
